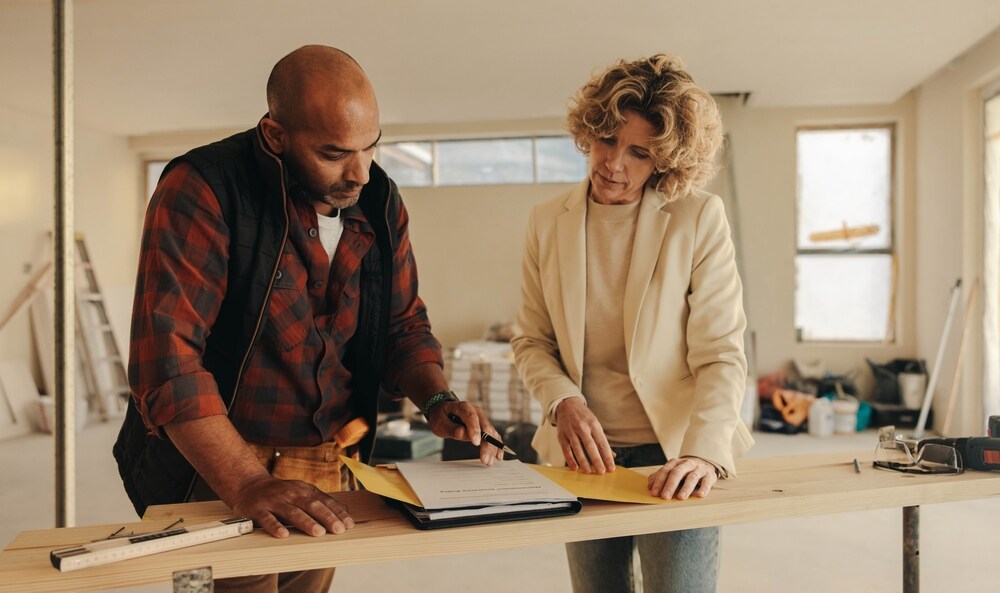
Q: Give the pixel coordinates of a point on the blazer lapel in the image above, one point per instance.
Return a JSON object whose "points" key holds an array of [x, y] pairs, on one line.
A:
{"points": [[650, 230], [572, 253]]}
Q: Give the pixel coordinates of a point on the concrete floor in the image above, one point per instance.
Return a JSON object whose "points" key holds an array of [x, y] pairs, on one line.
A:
{"points": [[837, 553]]}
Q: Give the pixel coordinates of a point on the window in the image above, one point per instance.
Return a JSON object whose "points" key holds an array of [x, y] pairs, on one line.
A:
{"points": [[486, 161], [153, 170], [478, 162], [844, 264], [409, 163], [558, 161]]}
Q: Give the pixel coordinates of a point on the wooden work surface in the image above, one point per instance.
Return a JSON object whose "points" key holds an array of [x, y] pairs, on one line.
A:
{"points": [[767, 488]]}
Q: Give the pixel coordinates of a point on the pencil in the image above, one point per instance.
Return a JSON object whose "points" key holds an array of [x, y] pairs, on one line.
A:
{"points": [[857, 466]]}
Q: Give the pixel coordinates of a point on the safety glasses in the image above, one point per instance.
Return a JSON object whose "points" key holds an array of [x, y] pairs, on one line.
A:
{"points": [[896, 456]]}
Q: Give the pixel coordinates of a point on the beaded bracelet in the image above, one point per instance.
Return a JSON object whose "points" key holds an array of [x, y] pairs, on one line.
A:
{"points": [[437, 398]]}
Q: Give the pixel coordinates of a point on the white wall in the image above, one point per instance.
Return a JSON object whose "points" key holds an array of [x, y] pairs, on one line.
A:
{"points": [[26, 190], [108, 195], [467, 241], [949, 218]]}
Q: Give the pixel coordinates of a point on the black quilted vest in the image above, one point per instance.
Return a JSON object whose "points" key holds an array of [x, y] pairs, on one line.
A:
{"points": [[251, 185]]}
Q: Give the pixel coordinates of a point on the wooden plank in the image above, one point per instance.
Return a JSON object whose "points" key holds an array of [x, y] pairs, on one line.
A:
{"points": [[29, 292], [41, 330], [768, 489], [9, 426]]}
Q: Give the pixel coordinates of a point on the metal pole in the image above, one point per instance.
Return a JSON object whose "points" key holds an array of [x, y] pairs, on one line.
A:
{"points": [[65, 262], [932, 381], [911, 549]]}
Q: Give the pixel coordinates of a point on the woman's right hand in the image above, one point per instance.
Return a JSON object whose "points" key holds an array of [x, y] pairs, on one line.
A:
{"points": [[582, 439]]}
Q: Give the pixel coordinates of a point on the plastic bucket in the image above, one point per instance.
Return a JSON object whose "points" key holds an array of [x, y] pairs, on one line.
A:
{"points": [[845, 416], [911, 389]]}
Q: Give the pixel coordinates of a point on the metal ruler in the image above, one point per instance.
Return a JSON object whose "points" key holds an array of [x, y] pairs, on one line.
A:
{"points": [[123, 548]]}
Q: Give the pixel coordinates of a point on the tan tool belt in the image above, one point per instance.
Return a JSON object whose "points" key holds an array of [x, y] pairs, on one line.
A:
{"points": [[319, 465]]}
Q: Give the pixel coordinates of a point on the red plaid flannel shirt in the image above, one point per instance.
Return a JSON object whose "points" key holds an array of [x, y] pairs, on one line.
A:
{"points": [[295, 390]]}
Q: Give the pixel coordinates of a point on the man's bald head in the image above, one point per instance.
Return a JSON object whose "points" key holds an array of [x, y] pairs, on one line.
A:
{"points": [[323, 124], [311, 75]]}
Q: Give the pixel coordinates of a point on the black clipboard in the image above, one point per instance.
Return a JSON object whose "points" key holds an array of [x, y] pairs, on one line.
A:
{"points": [[411, 512]]}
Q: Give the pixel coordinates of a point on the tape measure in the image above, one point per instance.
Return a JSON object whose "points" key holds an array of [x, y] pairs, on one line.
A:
{"points": [[122, 548]]}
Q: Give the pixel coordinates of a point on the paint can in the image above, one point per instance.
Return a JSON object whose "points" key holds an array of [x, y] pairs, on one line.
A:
{"points": [[845, 415]]}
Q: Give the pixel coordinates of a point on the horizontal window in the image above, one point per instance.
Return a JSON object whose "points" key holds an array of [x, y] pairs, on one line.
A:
{"points": [[489, 161], [410, 163], [480, 162]]}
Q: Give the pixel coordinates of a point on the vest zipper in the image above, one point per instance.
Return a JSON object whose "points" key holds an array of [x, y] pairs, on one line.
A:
{"points": [[267, 298], [274, 272]]}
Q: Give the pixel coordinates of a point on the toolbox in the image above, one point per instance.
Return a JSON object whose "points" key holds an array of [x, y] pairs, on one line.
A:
{"points": [[419, 443], [897, 415]]}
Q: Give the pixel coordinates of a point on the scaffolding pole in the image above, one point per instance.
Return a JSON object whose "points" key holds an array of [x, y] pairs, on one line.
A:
{"points": [[63, 235]]}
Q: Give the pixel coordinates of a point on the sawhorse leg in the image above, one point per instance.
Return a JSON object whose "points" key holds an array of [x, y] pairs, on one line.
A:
{"points": [[911, 549], [196, 580]]}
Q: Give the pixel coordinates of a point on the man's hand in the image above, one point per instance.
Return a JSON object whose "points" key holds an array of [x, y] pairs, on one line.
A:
{"points": [[269, 500], [682, 476], [475, 423], [582, 438], [425, 379], [231, 469]]}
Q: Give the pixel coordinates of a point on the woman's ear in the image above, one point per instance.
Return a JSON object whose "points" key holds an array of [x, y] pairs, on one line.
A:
{"points": [[274, 134]]}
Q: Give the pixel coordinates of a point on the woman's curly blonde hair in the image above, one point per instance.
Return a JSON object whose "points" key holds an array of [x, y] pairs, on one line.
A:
{"points": [[688, 129]]}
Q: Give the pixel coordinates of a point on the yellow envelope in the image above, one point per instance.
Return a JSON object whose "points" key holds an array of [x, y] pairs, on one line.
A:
{"points": [[621, 485], [382, 481]]}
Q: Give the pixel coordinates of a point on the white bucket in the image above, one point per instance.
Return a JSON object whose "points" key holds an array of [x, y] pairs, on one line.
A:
{"points": [[911, 389], [845, 416], [821, 417]]}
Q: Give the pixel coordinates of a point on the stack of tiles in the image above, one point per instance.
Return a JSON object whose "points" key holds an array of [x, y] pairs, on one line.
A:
{"points": [[483, 372]]}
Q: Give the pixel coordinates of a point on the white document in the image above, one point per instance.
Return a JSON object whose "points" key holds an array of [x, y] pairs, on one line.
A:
{"points": [[469, 483]]}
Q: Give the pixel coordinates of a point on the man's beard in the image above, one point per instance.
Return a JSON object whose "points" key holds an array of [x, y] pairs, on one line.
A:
{"points": [[335, 195]]}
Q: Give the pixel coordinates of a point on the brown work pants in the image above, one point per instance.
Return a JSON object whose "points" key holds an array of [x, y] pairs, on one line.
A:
{"points": [[319, 466]]}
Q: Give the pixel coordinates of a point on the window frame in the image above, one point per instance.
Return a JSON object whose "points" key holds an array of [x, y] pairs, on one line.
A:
{"points": [[436, 161], [891, 335]]}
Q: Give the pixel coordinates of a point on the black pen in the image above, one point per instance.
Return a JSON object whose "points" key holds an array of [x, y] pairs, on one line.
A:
{"points": [[486, 436]]}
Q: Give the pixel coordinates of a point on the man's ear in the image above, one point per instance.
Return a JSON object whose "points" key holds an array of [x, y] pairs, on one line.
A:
{"points": [[274, 134]]}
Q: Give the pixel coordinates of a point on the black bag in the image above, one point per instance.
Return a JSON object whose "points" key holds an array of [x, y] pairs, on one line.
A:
{"points": [[886, 389]]}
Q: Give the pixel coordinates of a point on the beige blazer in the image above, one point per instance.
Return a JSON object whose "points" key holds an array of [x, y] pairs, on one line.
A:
{"points": [[683, 314]]}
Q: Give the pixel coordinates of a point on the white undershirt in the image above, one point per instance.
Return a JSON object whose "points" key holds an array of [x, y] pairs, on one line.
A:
{"points": [[330, 230]]}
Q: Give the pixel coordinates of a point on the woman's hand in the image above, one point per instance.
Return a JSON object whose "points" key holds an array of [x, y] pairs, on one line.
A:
{"points": [[681, 477], [582, 439]]}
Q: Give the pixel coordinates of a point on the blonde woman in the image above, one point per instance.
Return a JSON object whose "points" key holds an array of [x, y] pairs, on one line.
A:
{"points": [[631, 318]]}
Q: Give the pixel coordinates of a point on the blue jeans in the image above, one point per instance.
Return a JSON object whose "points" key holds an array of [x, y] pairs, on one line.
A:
{"points": [[676, 561]]}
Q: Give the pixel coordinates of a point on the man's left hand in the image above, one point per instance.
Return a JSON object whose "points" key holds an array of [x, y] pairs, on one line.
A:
{"points": [[681, 477]]}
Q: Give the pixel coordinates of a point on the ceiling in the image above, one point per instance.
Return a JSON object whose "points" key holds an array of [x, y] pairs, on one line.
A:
{"points": [[145, 66]]}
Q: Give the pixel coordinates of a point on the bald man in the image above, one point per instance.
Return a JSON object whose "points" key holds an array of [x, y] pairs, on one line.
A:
{"points": [[276, 297]]}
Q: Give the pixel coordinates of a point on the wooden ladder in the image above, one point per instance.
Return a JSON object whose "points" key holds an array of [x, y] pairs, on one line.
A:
{"points": [[103, 365]]}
